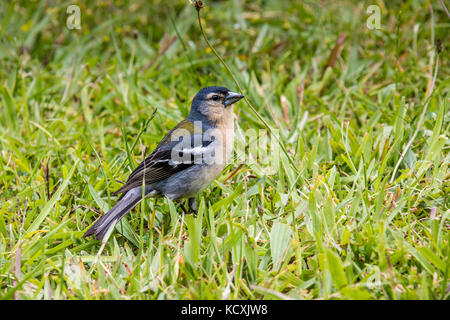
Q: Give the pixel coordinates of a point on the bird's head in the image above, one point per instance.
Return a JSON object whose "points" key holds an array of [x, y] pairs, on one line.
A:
{"points": [[213, 103]]}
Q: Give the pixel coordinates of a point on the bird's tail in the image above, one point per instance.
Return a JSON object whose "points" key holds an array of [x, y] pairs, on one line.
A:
{"points": [[122, 207]]}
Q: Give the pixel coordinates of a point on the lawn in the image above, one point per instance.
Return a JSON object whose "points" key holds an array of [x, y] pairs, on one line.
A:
{"points": [[339, 184]]}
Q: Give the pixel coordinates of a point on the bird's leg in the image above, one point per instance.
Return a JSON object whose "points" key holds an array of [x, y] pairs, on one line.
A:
{"points": [[184, 209], [193, 205]]}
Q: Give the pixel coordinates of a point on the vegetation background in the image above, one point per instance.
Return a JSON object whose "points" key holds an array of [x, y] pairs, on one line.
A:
{"points": [[337, 220]]}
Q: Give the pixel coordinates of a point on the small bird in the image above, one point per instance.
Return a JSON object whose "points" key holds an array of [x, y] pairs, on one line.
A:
{"points": [[189, 158]]}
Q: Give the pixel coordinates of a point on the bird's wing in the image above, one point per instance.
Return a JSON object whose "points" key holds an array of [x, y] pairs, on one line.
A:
{"points": [[179, 150]]}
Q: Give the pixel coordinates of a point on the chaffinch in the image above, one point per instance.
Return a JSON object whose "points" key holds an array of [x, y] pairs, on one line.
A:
{"points": [[186, 161]]}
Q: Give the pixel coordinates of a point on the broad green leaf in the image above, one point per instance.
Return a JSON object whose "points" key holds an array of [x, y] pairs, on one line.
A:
{"points": [[433, 258], [334, 265], [280, 235]]}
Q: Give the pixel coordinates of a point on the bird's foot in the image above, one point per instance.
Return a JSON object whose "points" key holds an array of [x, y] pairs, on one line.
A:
{"points": [[193, 206]]}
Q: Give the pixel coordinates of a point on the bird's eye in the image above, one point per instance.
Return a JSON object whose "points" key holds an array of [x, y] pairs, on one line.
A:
{"points": [[215, 97]]}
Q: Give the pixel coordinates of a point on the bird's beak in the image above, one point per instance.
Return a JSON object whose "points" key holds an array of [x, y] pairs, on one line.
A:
{"points": [[232, 97]]}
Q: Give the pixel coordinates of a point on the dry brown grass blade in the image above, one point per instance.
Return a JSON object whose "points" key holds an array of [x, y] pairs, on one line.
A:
{"points": [[167, 42], [335, 52]]}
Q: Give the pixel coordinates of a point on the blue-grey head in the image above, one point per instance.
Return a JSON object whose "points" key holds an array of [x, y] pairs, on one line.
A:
{"points": [[213, 104]]}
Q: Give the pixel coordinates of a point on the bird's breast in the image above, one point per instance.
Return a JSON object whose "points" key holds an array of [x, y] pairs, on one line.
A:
{"points": [[225, 138]]}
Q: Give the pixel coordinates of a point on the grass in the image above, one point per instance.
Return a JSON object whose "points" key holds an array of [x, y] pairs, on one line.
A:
{"points": [[334, 217]]}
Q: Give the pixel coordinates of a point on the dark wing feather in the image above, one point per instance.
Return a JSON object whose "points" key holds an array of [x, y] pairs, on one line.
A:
{"points": [[159, 165]]}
